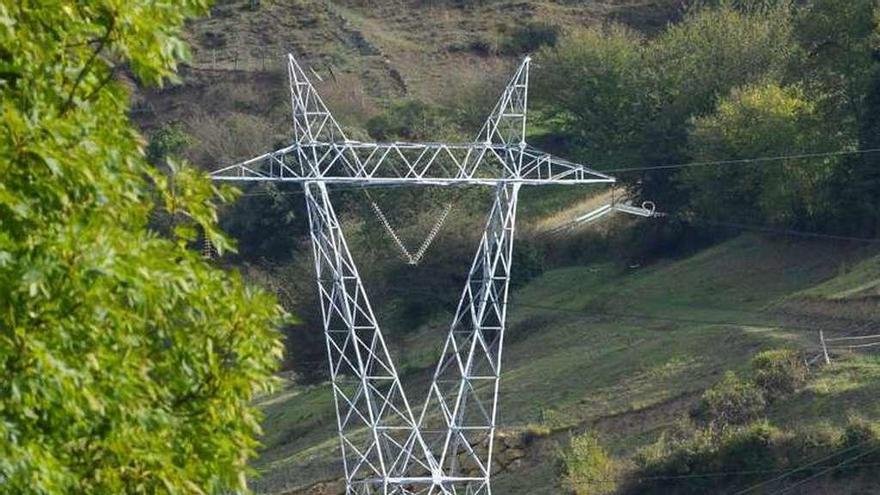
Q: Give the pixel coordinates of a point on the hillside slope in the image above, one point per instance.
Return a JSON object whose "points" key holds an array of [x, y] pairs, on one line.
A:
{"points": [[625, 352], [232, 99]]}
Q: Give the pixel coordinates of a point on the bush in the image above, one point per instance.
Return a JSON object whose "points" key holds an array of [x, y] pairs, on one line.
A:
{"points": [[529, 37], [411, 120], [528, 263], [661, 465], [676, 451], [732, 401], [758, 120], [779, 372], [587, 467], [749, 448], [168, 140], [858, 431]]}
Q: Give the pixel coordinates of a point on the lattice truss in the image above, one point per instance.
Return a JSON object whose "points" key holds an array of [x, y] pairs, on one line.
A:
{"points": [[387, 445]]}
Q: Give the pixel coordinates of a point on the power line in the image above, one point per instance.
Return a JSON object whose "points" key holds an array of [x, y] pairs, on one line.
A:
{"points": [[778, 231], [717, 474], [826, 471], [742, 161], [732, 161], [798, 469]]}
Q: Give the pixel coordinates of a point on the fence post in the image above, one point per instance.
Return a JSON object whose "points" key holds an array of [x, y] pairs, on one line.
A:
{"points": [[824, 347]]}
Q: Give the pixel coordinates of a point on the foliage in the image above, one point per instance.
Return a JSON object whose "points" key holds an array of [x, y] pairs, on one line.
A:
{"points": [[411, 120], [268, 223], [838, 40], [528, 263], [528, 37], [127, 363], [715, 50], [738, 457], [733, 80], [762, 120], [660, 466], [588, 469], [859, 432], [222, 139], [634, 97], [170, 140], [779, 372], [600, 115], [732, 401]]}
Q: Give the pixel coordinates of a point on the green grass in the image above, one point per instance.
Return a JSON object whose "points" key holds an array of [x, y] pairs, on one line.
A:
{"points": [[623, 350], [849, 386], [861, 279]]}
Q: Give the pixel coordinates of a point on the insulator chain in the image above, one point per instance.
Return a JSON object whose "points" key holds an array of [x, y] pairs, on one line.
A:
{"points": [[432, 234], [411, 259]]}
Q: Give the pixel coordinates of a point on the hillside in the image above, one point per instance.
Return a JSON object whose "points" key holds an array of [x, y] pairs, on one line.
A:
{"points": [[232, 99], [161, 331], [621, 346], [626, 352]]}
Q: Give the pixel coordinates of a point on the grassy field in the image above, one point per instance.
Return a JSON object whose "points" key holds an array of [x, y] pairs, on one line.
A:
{"points": [[623, 351]]}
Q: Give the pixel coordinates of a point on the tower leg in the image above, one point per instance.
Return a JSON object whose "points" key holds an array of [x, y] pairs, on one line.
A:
{"points": [[459, 416], [377, 432]]}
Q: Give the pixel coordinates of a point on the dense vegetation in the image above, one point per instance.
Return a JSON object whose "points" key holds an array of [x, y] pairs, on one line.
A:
{"points": [[127, 363], [731, 81]]}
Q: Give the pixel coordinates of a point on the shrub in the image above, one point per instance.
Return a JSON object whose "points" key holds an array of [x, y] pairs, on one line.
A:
{"points": [[168, 140], [779, 372], [587, 467], [732, 401], [676, 451], [410, 120], [221, 139], [676, 461], [748, 448], [528, 263], [529, 37], [858, 431], [661, 465]]}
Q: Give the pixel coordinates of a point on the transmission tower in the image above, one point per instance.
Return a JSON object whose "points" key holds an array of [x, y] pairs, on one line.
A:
{"points": [[388, 446]]}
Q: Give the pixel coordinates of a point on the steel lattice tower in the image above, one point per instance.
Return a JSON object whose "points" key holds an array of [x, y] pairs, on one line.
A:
{"points": [[387, 446]]}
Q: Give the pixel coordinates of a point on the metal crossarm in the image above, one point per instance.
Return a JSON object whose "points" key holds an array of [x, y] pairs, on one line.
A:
{"points": [[438, 164], [447, 447]]}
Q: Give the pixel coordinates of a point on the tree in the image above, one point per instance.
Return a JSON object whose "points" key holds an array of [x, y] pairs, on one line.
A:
{"points": [[843, 43], [762, 120], [598, 96], [127, 363], [623, 101], [167, 141]]}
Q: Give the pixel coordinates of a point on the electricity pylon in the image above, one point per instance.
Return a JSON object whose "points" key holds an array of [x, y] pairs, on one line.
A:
{"points": [[386, 447]]}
